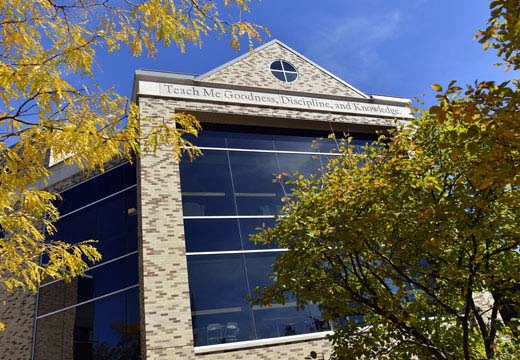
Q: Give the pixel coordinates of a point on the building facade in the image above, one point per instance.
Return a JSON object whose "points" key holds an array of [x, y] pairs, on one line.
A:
{"points": [[178, 266]]}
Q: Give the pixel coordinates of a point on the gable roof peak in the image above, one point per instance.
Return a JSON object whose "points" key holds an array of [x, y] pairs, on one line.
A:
{"points": [[318, 79]]}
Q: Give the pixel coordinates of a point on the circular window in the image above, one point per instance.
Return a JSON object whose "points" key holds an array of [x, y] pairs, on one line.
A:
{"points": [[283, 71]]}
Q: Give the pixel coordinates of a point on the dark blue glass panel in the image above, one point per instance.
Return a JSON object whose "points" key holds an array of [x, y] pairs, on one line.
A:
{"points": [[280, 319], [295, 143], [315, 143], [286, 320], [103, 185], [326, 145], [259, 268], [208, 138], [111, 222], [217, 281], [72, 229], [291, 76], [359, 143], [218, 291], [223, 234], [222, 326], [253, 175], [304, 164], [288, 67], [239, 140], [279, 75], [206, 185], [276, 65], [96, 282], [249, 227], [212, 235], [104, 329], [286, 140]]}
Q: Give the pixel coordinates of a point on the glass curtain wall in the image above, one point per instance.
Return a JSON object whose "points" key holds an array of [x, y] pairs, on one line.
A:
{"points": [[227, 194], [95, 316]]}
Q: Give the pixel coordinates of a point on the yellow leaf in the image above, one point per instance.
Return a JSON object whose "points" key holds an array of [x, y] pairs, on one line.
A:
{"points": [[436, 87], [485, 184]]}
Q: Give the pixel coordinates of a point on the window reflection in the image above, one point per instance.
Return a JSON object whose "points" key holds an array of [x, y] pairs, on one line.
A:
{"points": [[220, 286], [285, 320], [244, 137], [97, 188], [253, 175], [295, 143], [326, 145], [206, 185], [360, 143], [218, 291], [279, 319], [250, 141], [109, 222], [94, 283], [259, 266], [208, 138], [212, 235], [249, 227], [303, 164], [240, 184], [105, 329], [218, 282], [107, 325]]}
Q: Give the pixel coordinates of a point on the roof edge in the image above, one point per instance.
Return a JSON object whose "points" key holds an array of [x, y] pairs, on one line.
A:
{"points": [[237, 59], [158, 76], [392, 99], [190, 79]]}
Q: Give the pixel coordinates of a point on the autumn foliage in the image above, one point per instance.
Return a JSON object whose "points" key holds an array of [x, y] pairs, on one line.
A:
{"points": [[412, 246], [51, 107]]}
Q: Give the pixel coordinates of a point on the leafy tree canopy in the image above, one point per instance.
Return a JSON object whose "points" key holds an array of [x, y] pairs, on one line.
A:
{"points": [[49, 107], [418, 235]]}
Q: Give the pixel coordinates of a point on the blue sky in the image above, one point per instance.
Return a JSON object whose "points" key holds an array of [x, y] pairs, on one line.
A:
{"points": [[379, 46]]}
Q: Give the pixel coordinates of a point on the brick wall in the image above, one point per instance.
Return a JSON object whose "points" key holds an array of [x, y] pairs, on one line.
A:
{"points": [[18, 315], [253, 71]]}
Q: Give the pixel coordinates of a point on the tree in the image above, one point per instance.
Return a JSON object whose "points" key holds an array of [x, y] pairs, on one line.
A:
{"points": [[50, 107], [418, 234], [127, 348]]}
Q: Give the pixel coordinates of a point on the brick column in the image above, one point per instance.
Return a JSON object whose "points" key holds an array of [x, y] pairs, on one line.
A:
{"points": [[165, 302]]}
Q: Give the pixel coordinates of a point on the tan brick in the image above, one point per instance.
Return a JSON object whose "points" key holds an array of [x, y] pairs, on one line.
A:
{"points": [[253, 71]]}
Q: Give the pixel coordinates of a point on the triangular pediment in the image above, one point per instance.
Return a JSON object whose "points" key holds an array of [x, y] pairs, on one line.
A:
{"points": [[253, 70]]}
